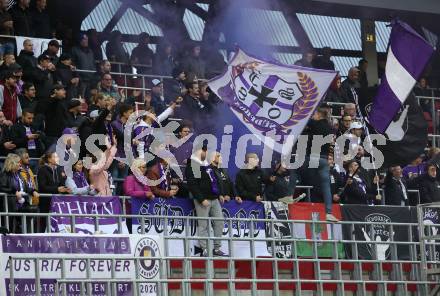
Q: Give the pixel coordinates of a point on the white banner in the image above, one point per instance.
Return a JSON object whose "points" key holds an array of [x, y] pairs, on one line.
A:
{"points": [[76, 249], [40, 44], [177, 227]]}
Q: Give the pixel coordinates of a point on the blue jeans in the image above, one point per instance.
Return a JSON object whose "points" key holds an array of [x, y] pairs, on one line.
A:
{"points": [[323, 173]]}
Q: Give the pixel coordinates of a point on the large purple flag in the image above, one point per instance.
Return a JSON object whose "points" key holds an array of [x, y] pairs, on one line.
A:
{"points": [[272, 101], [408, 55]]}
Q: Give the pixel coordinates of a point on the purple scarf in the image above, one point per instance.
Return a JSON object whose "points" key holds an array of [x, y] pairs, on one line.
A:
{"points": [[214, 186], [80, 179], [109, 132], [164, 184]]}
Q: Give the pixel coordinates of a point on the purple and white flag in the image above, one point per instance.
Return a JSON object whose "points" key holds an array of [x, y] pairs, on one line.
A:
{"points": [[408, 55], [271, 99]]}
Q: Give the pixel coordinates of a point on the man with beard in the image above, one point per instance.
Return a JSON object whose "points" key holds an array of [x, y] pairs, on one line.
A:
{"points": [[23, 135], [226, 186], [205, 188]]}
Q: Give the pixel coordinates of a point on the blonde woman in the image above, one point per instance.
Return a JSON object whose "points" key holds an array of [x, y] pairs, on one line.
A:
{"points": [[133, 184]]}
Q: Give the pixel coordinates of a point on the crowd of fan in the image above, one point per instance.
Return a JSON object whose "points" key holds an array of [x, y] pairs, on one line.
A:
{"points": [[46, 97]]}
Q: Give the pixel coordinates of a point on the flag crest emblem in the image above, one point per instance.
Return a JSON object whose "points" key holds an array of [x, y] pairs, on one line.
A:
{"points": [[268, 97], [268, 101]]}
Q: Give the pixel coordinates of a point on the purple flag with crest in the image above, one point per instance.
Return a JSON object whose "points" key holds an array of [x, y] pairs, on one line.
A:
{"points": [[270, 99]]}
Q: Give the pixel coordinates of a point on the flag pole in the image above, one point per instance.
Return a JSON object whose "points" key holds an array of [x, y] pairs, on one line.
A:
{"points": [[367, 133]]}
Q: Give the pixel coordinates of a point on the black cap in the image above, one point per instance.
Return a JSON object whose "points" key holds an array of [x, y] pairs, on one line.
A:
{"points": [[15, 68], [57, 87], [54, 42], [176, 71], [73, 103], [43, 57], [325, 105], [144, 35], [8, 74]]}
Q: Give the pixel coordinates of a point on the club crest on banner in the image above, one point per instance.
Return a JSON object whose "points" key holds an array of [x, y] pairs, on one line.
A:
{"points": [[379, 233], [149, 249], [269, 102]]}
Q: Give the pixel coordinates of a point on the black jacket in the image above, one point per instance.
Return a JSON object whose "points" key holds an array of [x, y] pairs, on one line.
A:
{"points": [[249, 183], [393, 192], [225, 182], [9, 185], [22, 21], [84, 131], [142, 55], [18, 137], [41, 24], [99, 126], [279, 188], [318, 127], [26, 103], [28, 62], [4, 137], [429, 191], [64, 76], [353, 194], [200, 187], [50, 179], [346, 87], [173, 89], [5, 16], [56, 117], [43, 81], [74, 121]]}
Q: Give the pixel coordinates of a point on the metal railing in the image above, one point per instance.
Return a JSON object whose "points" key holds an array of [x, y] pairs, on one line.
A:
{"points": [[429, 237], [402, 276]]}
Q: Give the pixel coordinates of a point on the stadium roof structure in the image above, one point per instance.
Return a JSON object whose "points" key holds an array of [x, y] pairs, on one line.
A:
{"points": [[285, 31]]}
